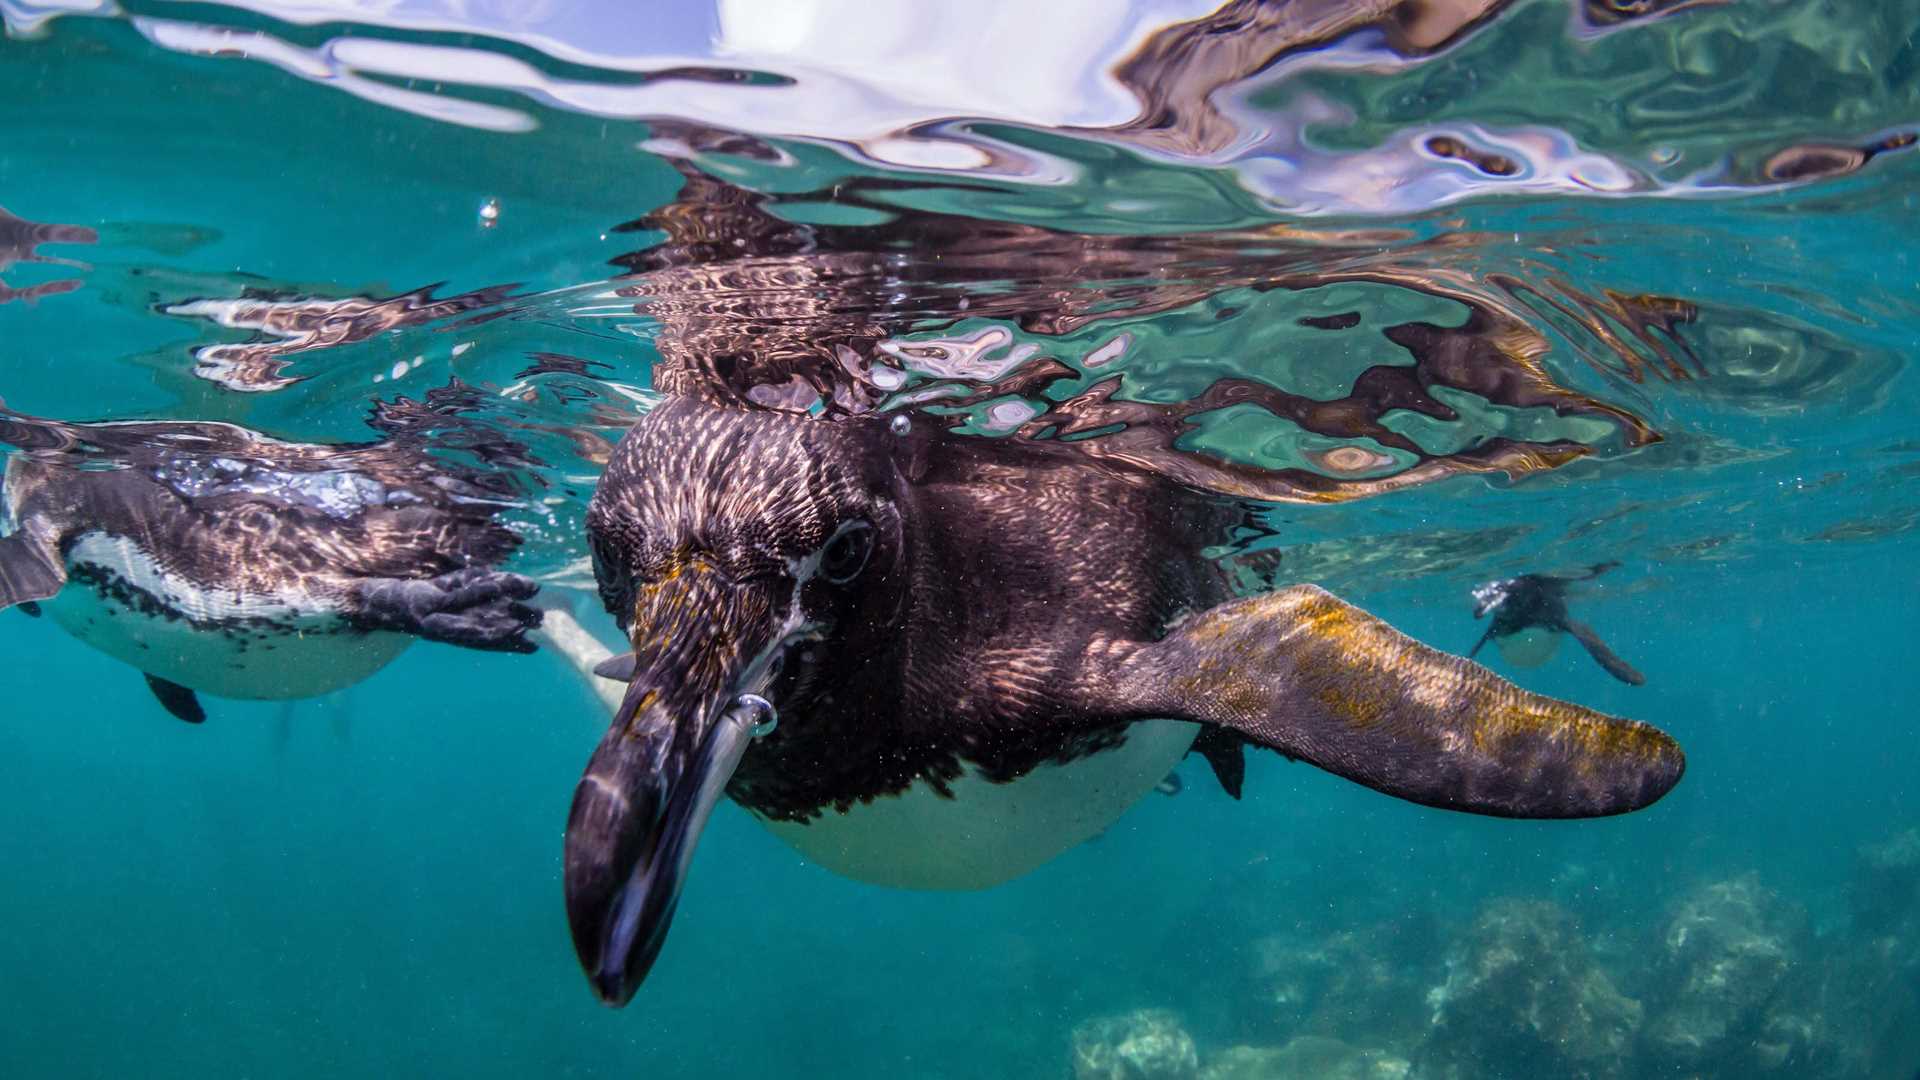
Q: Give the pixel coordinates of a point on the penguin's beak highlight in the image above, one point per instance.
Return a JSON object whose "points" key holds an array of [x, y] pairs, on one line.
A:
{"points": [[1487, 597], [658, 773]]}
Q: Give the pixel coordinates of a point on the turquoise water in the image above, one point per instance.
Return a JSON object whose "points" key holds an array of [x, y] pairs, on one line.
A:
{"points": [[1699, 281]]}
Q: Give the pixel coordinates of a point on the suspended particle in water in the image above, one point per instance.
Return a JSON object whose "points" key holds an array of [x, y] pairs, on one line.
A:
{"points": [[489, 213]]}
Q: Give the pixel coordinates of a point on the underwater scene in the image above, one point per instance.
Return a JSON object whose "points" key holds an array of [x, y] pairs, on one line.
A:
{"points": [[804, 538]]}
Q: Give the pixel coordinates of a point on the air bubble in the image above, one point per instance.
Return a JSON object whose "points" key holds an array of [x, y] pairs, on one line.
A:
{"points": [[756, 713], [900, 425], [489, 213]]}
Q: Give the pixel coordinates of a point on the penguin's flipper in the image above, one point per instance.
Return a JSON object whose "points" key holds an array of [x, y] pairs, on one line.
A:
{"points": [[183, 703], [1478, 645], [474, 607], [1222, 749], [1602, 655], [1317, 679], [29, 570]]}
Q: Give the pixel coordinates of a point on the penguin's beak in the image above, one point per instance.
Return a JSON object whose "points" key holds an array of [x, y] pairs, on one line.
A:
{"points": [[700, 642]]}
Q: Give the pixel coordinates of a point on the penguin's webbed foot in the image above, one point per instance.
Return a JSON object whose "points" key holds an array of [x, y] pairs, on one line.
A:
{"points": [[1222, 750], [30, 570], [178, 700], [473, 607]]}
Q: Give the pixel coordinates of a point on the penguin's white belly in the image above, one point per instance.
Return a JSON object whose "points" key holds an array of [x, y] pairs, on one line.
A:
{"points": [[243, 647], [1531, 647], [988, 833]]}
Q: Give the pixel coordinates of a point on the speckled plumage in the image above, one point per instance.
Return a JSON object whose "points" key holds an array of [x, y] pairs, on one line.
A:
{"points": [[948, 653], [1008, 576], [1009, 605], [1008, 580], [229, 544]]}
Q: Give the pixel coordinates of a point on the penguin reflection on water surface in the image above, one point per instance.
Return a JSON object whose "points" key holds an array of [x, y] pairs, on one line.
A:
{"points": [[215, 559], [1529, 615], [962, 656]]}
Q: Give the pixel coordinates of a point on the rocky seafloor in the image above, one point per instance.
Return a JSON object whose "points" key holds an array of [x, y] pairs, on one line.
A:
{"points": [[1734, 980]]}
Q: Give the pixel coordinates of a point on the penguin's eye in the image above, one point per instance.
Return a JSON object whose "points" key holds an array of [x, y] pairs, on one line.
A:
{"points": [[846, 554]]}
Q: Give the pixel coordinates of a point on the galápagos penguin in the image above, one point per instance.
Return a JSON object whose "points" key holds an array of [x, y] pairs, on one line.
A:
{"points": [[979, 652], [216, 559], [1529, 615]]}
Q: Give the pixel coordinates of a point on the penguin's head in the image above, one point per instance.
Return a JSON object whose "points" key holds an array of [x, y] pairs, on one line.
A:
{"points": [[742, 553], [1490, 596]]}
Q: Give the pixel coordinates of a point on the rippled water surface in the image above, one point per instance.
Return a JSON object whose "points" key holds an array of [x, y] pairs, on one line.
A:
{"points": [[1434, 291]]}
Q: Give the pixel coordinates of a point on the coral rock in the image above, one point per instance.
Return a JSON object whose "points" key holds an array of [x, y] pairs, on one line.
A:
{"points": [[1524, 997], [1148, 1044], [1310, 1057], [1872, 988], [1365, 987], [1726, 956], [1886, 889]]}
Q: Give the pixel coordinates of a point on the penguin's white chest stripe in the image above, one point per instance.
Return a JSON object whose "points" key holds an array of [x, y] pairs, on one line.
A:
{"points": [[131, 563], [989, 833], [219, 641]]}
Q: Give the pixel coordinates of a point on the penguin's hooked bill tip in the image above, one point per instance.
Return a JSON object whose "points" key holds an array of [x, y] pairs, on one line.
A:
{"points": [[686, 719], [637, 817]]}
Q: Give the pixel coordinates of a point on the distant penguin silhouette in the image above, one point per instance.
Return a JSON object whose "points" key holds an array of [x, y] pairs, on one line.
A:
{"points": [[1529, 615], [216, 559], [938, 661]]}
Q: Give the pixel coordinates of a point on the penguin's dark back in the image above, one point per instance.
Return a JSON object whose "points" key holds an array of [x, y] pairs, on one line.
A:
{"points": [[263, 517]]}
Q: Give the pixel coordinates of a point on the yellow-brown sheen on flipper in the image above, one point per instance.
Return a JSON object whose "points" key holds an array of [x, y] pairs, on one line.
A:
{"points": [[1318, 679]]}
